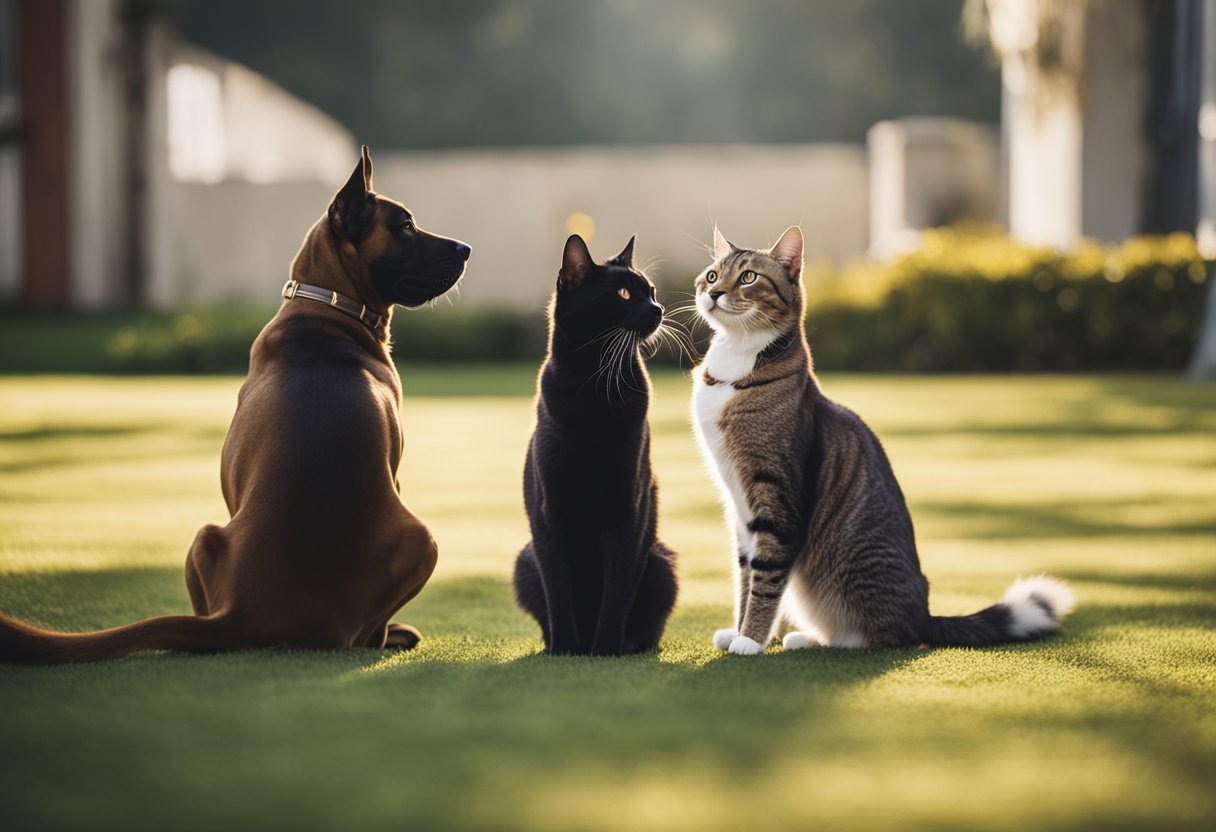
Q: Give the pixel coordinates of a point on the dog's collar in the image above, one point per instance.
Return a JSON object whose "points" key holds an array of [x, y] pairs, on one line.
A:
{"points": [[376, 323]]}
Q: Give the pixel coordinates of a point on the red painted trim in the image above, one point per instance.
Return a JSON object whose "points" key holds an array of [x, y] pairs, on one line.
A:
{"points": [[42, 29]]}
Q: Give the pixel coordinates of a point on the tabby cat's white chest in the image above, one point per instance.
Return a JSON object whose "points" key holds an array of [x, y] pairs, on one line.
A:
{"points": [[730, 359], [726, 361], [708, 402]]}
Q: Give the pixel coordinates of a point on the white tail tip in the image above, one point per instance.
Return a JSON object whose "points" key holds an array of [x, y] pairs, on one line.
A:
{"points": [[1037, 605]]}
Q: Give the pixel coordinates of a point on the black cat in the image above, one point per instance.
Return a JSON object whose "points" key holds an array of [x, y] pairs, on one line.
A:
{"points": [[595, 575]]}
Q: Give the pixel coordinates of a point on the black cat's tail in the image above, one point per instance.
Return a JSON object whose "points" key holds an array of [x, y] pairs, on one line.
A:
{"points": [[1032, 608]]}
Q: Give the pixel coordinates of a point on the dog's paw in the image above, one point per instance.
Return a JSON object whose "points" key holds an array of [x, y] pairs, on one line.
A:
{"points": [[402, 637], [723, 638], [744, 646], [797, 641]]}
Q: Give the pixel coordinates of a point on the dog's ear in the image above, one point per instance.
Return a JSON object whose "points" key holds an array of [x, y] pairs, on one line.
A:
{"points": [[625, 258], [576, 259], [354, 206]]}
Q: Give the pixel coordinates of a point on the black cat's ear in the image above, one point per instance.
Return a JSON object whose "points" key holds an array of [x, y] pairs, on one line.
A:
{"points": [[788, 251], [576, 259], [722, 246], [625, 258], [354, 206]]}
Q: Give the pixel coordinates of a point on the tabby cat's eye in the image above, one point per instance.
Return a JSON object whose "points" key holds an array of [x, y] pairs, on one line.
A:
{"points": [[748, 278], [711, 277], [623, 293]]}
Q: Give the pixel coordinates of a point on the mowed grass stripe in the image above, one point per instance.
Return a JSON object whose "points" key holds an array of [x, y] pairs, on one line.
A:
{"points": [[1108, 482]]}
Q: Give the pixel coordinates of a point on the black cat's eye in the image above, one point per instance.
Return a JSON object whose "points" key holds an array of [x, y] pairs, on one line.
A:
{"points": [[748, 278], [623, 292], [711, 277]]}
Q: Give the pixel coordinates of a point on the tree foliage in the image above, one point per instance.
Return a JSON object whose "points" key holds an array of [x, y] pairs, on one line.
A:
{"points": [[419, 73]]}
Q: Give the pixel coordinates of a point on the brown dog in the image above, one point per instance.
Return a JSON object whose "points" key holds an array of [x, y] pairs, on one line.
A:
{"points": [[320, 552]]}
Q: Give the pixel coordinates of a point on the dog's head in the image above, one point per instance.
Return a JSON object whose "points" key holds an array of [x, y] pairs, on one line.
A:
{"points": [[405, 264]]}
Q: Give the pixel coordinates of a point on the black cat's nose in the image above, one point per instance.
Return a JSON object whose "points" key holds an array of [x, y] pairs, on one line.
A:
{"points": [[715, 295], [463, 251]]}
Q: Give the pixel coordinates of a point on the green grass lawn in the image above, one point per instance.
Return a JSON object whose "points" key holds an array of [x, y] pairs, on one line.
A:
{"points": [[1107, 482]]}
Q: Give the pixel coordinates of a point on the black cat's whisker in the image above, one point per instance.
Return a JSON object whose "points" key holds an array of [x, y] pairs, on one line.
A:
{"points": [[609, 339], [674, 332], [616, 352], [654, 264], [625, 349]]}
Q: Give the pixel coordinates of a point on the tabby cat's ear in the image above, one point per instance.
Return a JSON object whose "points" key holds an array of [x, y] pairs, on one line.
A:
{"points": [[722, 246], [575, 261], [788, 251], [625, 258]]}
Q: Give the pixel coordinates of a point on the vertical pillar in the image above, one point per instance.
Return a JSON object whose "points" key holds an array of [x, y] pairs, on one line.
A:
{"points": [[1203, 361], [45, 186]]}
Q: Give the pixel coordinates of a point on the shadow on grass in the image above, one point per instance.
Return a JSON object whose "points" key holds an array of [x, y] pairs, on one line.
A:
{"points": [[474, 728], [1076, 518], [33, 437], [474, 710]]}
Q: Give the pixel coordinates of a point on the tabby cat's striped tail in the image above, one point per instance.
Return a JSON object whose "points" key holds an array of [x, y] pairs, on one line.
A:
{"points": [[1032, 608]]}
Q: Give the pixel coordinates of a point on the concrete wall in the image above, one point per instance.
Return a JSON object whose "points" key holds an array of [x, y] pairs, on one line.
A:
{"points": [[1077, 162], [100, 249], [229, 171], [929, 172], [1114, 153], [233, 240], [238, 170], [515, 208]]}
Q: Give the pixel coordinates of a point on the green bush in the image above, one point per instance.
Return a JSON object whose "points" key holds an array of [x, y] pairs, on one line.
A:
{"points": [[217, 339], [962, 302], [965, 302], [210, 340]]}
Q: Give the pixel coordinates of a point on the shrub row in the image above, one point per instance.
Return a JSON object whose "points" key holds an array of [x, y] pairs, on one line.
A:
{"points": [[217, 339], [964, 302]]}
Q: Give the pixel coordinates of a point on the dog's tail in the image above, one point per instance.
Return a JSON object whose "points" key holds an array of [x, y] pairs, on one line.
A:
{"points": [[1032, 608], [25, 644]]}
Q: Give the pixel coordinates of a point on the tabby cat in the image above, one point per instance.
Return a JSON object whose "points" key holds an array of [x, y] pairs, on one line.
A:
{"points": [[824, 546], [595, 576]]}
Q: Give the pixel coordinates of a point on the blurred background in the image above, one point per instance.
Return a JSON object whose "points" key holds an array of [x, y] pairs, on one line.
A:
{"points": [[984, 185]]}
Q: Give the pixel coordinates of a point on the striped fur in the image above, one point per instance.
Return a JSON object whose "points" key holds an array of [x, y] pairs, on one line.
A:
{"points": [[824, 549]]}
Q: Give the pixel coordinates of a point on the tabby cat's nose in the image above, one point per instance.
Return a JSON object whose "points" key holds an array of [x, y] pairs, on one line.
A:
{"points": [[715, 295]]}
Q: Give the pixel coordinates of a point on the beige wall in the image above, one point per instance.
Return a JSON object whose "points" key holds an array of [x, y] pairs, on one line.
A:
{"points": [[1113, 151], [1077, 162], [928, 172], [233, 240], [99, 250], [227, 208], [513, 207], [232, 182]]}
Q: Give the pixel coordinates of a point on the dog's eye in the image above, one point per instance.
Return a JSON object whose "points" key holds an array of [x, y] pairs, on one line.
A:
{"points": [[748, 278], [711, 277], [623, 293], [408, 225]]}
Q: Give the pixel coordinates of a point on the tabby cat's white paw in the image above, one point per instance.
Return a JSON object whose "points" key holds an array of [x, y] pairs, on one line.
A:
{"points": [[797, 641], [744, 646], [723, 638]]}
